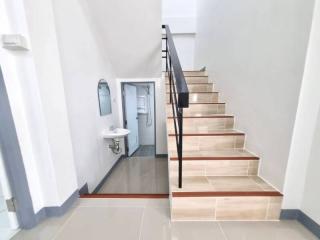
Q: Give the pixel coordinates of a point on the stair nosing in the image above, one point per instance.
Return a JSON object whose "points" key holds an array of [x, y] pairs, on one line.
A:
{"points": [[228, 194], [218, 116]]}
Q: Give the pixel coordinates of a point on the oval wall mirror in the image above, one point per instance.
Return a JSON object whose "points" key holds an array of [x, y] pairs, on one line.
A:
{"points": [[104, 97]]}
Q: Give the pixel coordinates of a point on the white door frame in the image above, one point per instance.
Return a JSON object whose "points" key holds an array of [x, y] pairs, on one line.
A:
{"points": [[125, 120], [124, 109]]}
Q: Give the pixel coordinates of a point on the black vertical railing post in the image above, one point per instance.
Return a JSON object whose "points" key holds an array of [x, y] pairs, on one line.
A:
{"points": [[170, 76], [180, 124], [167, 54]]}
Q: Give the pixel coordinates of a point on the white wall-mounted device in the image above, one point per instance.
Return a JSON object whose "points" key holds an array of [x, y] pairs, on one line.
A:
{"points": [[142, 105], [15, 42]]}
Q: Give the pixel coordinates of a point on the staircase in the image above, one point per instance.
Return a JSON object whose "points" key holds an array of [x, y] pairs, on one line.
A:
{"points": [[219, 176]]}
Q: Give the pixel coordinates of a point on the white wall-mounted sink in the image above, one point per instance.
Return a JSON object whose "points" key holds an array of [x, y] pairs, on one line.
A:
{"points": [[115, 133]]}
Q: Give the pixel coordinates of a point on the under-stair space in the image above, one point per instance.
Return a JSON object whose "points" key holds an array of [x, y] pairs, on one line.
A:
{"points": [[219, 176]]}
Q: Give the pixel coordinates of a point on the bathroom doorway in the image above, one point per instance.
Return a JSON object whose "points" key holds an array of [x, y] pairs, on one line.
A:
{"points": [[139, 117], [139, 172]]}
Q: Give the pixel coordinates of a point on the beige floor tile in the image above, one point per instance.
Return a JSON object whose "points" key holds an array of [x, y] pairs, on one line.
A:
{"points": [[103, 223], [196, 231], [282, 230], [152, 222], [156, 224], [47, 229]]}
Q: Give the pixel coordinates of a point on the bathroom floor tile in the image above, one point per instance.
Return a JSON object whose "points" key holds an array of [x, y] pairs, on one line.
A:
{"points": [[145, 150], [138, 175]]}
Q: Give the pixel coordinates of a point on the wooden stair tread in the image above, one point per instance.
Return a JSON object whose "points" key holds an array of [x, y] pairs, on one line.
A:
{"points": [[225, 154], [197, 186]]}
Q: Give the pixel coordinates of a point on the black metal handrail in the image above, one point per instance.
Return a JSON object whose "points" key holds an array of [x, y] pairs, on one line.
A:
{"points": [[179, 93]]}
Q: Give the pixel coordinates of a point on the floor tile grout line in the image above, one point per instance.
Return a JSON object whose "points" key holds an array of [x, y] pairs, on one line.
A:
{"points": [[223, 233], [64, 224], [142, 218]]}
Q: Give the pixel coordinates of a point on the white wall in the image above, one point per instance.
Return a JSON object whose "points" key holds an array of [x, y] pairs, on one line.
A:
{"points": [[36, 93], [311, 195], [302, 178], [83, 65], [131, 34], [180, 15], [53, 87], [255, 53], [23, 103], [161, 138], [43, 42], [146, 133]]}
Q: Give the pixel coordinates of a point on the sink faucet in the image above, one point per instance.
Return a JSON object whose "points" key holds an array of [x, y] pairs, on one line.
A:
{"points": [[111, 128]]}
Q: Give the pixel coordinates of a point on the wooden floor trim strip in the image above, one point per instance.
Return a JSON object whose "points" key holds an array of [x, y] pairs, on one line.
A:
{"points": [[214, 158], [227, 194], [208, 134], [125, 195]]}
